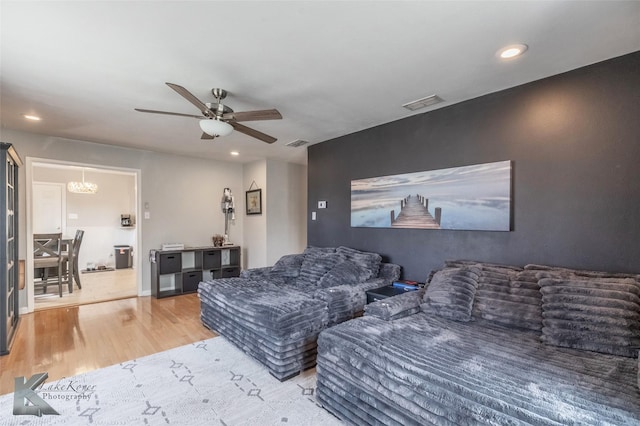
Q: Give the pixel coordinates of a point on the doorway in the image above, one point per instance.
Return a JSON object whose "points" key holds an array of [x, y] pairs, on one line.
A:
{"points": [[52, 207]]}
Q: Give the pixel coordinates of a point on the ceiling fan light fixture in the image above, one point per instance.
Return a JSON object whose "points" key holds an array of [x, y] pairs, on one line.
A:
{"points": [[214, 127]]}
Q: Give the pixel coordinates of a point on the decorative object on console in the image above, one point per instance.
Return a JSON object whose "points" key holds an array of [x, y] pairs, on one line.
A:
{"points": [[218, 240], [172, 246], [228, 209]]}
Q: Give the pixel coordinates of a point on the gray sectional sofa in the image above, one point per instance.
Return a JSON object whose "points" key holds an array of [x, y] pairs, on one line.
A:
{"points": [[275, 313], [490, 344]]}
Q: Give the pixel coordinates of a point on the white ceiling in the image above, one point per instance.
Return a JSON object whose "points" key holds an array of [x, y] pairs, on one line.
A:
{"points": [[330, 68]]}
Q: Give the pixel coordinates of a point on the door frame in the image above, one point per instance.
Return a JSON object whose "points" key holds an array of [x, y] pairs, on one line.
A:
{"points": [[30, 162]]}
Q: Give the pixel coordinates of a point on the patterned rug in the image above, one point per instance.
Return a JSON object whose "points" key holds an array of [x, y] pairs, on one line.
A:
{"points": [[204, 383]]}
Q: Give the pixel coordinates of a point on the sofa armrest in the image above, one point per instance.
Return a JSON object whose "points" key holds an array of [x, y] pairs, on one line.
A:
{"points": [[346, 301], [256, 273], [396, 307]]}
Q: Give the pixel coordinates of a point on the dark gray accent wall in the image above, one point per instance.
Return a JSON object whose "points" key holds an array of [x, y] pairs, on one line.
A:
{"points": [[574, 140]]}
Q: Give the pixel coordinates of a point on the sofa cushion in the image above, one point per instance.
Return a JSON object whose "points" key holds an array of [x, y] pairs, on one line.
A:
{"points": [[315, 265], [287, 266], [346, 272], [369, 262], [392, 308], [509, 297], [598, 314], [451, 293]]}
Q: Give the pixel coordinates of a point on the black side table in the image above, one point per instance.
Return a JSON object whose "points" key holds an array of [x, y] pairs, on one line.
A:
{"points": [[382, 293]]}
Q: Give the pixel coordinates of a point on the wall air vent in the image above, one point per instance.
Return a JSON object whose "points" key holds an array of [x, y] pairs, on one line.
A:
{"points": [[422, 103], [296, 143]]}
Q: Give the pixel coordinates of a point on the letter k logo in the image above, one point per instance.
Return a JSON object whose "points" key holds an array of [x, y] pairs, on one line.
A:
{"points": [[24, 390]]}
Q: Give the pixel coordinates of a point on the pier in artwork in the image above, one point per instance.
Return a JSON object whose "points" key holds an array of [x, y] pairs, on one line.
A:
{"points": [[414, 213]]}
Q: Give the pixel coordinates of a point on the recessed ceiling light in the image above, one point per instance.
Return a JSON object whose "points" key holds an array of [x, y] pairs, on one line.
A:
{"points": [[234, 153], [512, 51], [31, 117]]}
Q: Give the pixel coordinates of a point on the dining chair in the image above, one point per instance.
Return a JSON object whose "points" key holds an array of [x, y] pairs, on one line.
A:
{"points": [[46, 255], [72, 261]]}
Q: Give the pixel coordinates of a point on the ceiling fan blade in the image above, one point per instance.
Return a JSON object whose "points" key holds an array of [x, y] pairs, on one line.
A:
{"points": [[252, 132], [189, 96], [207, 136], [264, 114], [168, 113]]}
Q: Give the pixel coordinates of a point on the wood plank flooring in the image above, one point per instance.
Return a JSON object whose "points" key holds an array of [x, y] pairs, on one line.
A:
{"points": [[96, 287], [72, 340]]}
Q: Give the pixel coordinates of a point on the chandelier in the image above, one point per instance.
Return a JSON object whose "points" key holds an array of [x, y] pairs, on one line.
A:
{"points": [[82, 187]]}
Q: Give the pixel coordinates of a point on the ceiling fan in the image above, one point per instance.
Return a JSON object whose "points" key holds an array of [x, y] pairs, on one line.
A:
{"points": [[220, 120]]}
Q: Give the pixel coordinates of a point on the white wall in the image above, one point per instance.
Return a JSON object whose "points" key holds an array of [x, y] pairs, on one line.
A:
{"points": [[287, 206], [282, 227], [254, 244]]}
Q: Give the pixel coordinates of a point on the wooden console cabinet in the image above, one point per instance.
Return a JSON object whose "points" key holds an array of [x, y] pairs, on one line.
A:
{"points": [[175, 272]]}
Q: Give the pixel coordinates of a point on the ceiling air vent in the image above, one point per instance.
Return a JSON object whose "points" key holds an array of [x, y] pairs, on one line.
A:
{"points": [[422, 103], [296, 143]]}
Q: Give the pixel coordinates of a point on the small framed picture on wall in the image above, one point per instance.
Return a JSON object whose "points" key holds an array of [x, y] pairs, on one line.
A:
{"points": [[254, 201]]}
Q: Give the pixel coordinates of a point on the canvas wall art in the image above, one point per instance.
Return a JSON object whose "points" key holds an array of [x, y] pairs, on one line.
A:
{"points": [[476, 197]]}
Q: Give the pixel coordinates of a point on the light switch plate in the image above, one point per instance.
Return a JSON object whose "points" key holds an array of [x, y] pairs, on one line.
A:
{"points": [[313, 215], [322, 204]]}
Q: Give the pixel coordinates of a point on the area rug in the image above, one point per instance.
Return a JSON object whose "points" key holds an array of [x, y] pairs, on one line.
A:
{"points": [[205, 383]]}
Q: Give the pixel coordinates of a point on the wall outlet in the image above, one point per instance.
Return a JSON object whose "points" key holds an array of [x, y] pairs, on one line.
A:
{"points": [[147, 215], [322, 204]]}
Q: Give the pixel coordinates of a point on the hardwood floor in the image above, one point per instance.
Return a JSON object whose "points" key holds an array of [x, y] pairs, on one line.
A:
{"points": [[96, 287], [72, 340]]}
